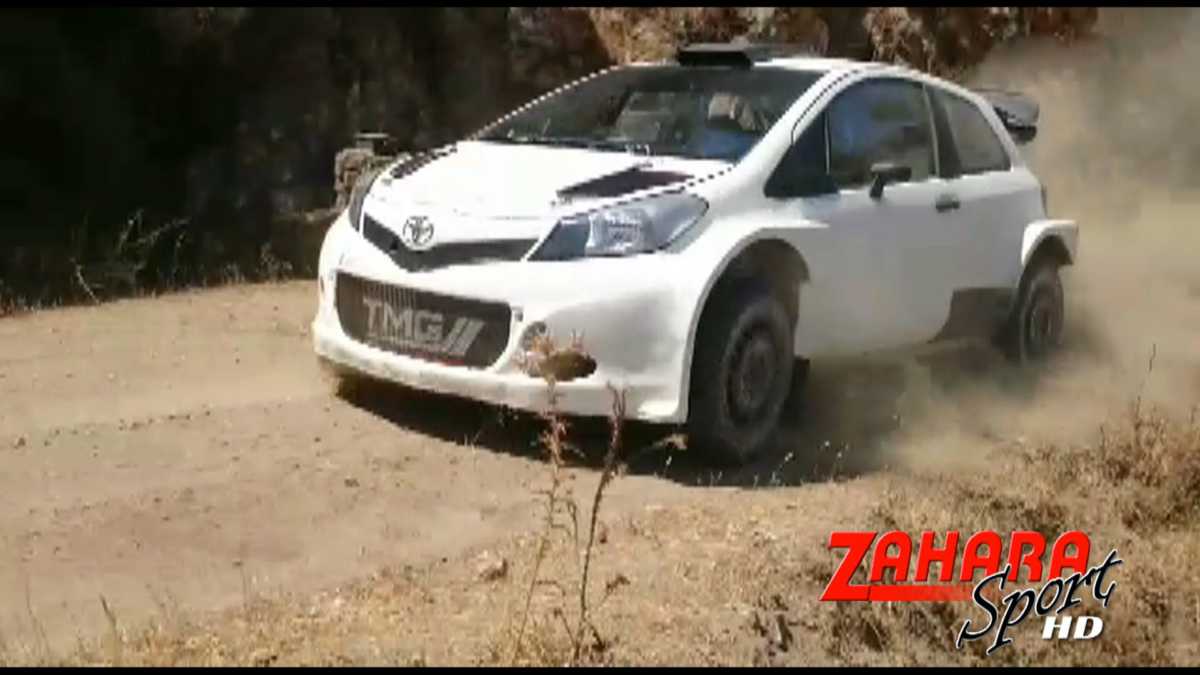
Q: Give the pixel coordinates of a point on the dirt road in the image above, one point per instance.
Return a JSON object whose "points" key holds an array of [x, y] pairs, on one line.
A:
{"points": [[183, 455], [186, 452]]}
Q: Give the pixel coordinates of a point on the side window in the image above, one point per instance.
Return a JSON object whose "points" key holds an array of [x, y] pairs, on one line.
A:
{"points": [[803, 170], [879, 121], [977, 146]]}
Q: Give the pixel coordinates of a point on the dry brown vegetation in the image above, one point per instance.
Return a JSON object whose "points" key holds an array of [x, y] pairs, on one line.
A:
{"points": [[1137, 489], [580, 639]]}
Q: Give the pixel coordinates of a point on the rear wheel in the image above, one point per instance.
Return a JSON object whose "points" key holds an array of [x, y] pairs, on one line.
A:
{"points": [[741, 373], [1035, 329]]}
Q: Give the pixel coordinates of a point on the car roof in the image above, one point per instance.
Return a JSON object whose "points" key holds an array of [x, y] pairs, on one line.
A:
{"points": [[745, 54], [815, 64], [819, 64]]}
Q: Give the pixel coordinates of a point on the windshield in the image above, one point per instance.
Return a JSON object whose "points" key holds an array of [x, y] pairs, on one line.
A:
{"points": [[703, 113]]}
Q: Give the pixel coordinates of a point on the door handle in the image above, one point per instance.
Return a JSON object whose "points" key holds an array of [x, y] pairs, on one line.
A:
{"points": [[946, 203]]}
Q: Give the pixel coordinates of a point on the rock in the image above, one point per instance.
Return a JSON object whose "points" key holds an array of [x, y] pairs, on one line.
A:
{"points": [[552, 45], [898, 36], [347, 167], [792, 25], [941, 40], [19, 442], [1062, 22], [782, 636], [947, 40], [616, 582], [490, 567]]}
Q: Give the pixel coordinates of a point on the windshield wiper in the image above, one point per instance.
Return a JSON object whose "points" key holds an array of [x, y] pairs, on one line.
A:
{"points": [[534, 139], [623, 146]]}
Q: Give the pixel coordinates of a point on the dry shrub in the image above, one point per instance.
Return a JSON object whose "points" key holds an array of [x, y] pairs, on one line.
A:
{"points": [[1137, 489], [553, 634]]}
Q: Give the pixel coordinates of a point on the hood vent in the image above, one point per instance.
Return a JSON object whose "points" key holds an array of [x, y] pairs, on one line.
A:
{"points": [[622, 182]]}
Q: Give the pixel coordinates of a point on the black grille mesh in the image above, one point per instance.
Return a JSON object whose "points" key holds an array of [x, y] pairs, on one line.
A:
{"points": [[444, 255], [420, 324]]}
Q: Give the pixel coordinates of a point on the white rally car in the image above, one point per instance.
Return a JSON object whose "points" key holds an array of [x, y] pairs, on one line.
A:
{"points": [[708, 225]]}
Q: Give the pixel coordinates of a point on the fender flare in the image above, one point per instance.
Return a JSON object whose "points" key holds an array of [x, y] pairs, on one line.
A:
{"points": [[1039, 232], [1063, 235]]}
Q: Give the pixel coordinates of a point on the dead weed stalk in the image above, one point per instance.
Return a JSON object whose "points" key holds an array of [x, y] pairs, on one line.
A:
{"points": [[555, 364], [116, 642]]}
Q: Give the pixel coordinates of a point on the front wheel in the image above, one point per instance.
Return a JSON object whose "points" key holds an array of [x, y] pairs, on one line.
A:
{"points": [[1035, 329], [741, 374]]}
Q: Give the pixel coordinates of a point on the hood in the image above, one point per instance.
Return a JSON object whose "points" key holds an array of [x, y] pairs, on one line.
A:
{"points": [[483, 181]]}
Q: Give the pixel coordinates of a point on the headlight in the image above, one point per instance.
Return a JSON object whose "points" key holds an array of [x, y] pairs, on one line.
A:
{"points": [[358, 194], [637, 227]]}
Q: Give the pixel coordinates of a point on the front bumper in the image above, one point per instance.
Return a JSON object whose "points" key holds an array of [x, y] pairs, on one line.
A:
{"points": [[631, 314]]}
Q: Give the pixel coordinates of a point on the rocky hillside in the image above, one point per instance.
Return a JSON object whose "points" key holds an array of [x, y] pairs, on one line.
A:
{"points": [[153, 147]]}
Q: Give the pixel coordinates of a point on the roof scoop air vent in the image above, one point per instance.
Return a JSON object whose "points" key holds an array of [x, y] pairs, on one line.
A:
{"points": [[737, 55]]}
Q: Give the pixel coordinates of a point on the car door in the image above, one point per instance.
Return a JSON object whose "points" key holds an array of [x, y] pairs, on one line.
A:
{"points": [[987, 194], [878, 274]]}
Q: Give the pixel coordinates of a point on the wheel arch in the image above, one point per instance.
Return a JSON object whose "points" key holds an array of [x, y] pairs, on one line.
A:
{"points": [[1056, 238], [768, 257]]}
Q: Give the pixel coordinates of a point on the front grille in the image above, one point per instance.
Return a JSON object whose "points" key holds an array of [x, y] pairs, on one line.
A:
{"points": [[444, 255], [420, 324]]}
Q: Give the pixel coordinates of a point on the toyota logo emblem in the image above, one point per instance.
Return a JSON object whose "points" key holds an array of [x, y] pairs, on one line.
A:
{"points": [[417, 232]]}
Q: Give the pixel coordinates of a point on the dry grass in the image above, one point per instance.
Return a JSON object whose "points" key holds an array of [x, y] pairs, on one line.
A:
{"points": [[145, 259], [580, 640], [1136, 490]]}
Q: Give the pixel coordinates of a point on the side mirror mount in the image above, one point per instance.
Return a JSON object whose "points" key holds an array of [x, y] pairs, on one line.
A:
{"points": [[883, 173]]}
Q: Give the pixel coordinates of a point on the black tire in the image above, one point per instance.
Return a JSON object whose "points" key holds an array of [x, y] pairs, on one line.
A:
{"points": [[1035, 328], [745, 336], [793, 405]]}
